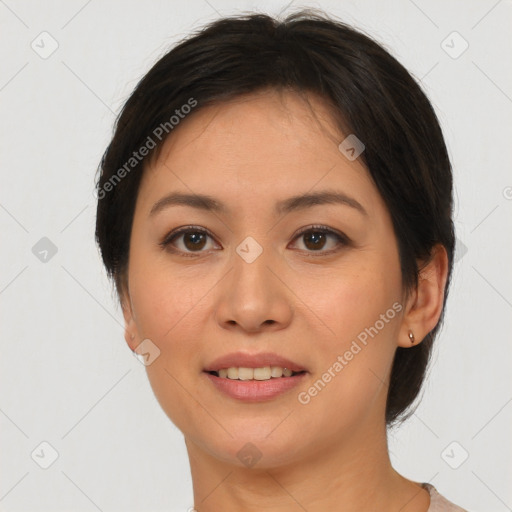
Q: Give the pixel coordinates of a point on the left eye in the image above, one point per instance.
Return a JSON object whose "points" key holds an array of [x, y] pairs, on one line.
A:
{"points": [[315, 238]]}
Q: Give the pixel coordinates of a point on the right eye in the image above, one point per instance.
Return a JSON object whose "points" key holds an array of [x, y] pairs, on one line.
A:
{"points": [[186, 240]]}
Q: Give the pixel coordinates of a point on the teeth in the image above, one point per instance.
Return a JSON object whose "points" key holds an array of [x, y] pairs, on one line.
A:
{"points": [[232, 373], [276, 371], [245, 373], [264, 373]]}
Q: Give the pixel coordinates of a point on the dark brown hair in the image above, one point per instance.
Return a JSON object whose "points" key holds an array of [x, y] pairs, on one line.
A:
{"points": [[372, 96]]}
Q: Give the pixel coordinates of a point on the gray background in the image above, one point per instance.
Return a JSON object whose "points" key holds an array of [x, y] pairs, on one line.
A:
{"points": [[67, 376]]}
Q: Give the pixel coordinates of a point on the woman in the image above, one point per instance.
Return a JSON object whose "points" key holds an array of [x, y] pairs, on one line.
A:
{"points": [[275, 208]]}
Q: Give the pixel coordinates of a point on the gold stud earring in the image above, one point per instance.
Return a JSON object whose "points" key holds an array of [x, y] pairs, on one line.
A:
{"points": [[411, 337]]}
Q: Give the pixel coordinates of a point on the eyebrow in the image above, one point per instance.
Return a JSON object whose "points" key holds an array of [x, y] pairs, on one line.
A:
{"points": [[295, 203]]}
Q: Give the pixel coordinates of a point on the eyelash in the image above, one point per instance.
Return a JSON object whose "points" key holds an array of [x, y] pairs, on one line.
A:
{"points": [[342, 239]]}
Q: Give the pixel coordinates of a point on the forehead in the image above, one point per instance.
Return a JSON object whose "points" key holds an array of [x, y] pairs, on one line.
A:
{"points": [[262, 145], [263, 122]]}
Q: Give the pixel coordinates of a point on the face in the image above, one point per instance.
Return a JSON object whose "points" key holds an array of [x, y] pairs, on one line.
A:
{"points": [[315, 282]]}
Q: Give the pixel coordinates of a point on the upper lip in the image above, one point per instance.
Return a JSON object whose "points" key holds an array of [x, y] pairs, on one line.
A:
{"points": [[245, 360]]}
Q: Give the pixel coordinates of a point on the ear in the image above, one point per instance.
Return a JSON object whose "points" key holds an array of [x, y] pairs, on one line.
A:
{"points": [[130, 327], [425, 303]]}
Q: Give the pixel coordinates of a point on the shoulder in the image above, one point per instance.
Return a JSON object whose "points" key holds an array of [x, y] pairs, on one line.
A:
{"points": [[439, 503]]}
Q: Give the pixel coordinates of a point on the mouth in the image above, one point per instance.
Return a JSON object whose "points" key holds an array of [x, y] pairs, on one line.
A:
{"points": [[254, 377]]}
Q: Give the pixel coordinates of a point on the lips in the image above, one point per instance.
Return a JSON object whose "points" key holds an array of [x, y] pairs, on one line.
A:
{"points": [[245, 360]]}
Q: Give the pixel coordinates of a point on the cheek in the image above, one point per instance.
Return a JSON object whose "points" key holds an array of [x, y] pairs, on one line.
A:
{"points": [[161, 311], [347, 303], [164, 297]]}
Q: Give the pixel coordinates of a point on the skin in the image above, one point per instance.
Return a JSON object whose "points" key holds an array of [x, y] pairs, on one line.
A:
{"points": [[301, 303]]}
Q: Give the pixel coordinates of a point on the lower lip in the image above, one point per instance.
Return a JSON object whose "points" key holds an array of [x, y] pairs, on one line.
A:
{"points": [[255, 390]]}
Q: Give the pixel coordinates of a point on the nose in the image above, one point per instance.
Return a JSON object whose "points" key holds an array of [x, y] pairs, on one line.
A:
{"points": [[254, 296]]}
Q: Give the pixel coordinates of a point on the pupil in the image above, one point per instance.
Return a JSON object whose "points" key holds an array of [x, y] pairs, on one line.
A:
{"points": [[317, 239], [196, 239]]}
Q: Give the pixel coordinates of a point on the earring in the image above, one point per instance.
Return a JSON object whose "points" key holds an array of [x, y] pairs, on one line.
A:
{"points": [[411, 337]]}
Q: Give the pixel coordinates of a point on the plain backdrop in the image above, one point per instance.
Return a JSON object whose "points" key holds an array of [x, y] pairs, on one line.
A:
{"points": [[75, 399]]}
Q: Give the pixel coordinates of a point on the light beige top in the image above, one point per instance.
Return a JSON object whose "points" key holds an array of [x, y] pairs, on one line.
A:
{"points": [[439, 503]]}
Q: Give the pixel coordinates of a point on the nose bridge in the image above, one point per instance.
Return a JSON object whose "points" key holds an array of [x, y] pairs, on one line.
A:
{"points": [[251, 261], [254, 296]]}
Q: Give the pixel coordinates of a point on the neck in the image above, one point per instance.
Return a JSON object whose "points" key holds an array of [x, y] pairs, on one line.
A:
{"points": [[351, 475]]}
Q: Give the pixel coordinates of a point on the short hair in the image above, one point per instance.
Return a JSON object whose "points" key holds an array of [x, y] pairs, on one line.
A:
{"points": [[370, 95]]}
